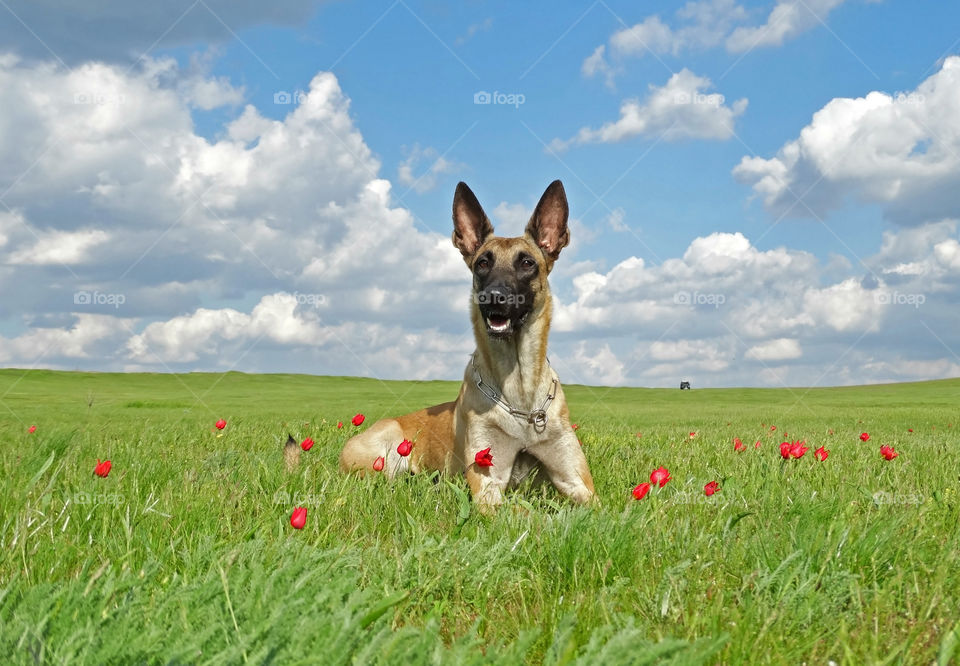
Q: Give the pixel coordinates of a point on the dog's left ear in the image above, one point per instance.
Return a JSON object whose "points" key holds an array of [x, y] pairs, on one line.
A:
{"points": [[548, 224]]}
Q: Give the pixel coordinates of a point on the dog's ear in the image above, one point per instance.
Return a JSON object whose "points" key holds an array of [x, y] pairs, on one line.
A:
{"points": [[470, 224], [548, 224]]}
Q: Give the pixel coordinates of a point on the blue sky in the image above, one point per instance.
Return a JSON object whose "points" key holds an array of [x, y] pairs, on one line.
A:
{"points": [[761, 192]]}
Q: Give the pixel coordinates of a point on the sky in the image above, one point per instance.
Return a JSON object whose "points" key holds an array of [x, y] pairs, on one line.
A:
{"points": [[762, 193]]}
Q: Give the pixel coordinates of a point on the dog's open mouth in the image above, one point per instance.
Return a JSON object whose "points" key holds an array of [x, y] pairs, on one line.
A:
{"points": [[498, 323]]}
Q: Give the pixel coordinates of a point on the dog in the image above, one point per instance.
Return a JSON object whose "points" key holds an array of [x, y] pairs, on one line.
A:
{"points": [[510, 420]]}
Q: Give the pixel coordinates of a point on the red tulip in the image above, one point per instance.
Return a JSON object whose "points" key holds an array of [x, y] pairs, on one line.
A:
{"points": [[908, 430], [378, 464], [738, 445], [660, 476], [483, 458], [102, 468], [641, 491], [757, 445], [298, 518], [772, 428], [574, 426], [711, 488], [785, 450], [797, 449], [888, 452], [221, 424], [693, 434], [358, 419], [821, 454], [32, 429], [339, 424], [405, 447], [864, 436], [306, 444]]}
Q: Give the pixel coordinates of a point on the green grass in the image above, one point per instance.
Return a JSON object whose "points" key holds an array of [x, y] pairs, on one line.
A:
{"points": [[185, 552]]}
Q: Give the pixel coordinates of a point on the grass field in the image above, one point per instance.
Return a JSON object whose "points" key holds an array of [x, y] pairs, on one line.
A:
{"points": [[185, 552]]}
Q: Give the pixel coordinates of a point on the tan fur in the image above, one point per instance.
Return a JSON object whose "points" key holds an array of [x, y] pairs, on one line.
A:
{"points": [[447, 437], [291, 454]]}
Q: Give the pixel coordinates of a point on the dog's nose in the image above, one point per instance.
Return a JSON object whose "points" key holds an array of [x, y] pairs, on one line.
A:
{"points": [[496, 295]]}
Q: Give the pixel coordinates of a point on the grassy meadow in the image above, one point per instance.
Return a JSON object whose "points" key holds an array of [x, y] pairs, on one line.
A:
{"points": [[184, 553]]}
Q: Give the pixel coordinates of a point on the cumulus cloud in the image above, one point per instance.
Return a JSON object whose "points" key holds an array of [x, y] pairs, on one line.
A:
{"points": [[705, 24], [728, 309], [278, 246], [681, 109], [901, 151], [780, 349], [786, 20], [412, 172]]}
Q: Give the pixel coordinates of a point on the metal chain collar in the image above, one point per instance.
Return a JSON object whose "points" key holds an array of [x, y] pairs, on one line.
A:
{"points": [[536, 417]]}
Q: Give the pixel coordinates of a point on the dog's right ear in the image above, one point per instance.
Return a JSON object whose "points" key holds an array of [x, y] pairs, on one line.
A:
{"points": [[470, 224]]}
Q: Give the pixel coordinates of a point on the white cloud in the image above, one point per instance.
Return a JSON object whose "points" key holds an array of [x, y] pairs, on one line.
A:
{"points": [[681, 109], [899, 150], [704, 25], [592, 364], [38, 346], [407, 171], [278, 246], [787, 19], [473, 29], [780, 349], [60, 247]]}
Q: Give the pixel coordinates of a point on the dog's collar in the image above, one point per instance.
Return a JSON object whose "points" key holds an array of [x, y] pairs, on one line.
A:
{"points": [[535, 417]]}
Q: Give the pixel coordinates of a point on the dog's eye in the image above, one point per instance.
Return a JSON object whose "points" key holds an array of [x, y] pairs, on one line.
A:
{"points": [[527, 262], [483, 263]]}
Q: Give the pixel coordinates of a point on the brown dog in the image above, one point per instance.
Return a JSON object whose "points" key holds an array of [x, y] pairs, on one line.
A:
{"points": [[511, 401]]}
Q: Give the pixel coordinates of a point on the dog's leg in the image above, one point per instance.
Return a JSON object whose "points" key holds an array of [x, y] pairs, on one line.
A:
{"points": [[567, 468], [488, 483], [381, 439]]}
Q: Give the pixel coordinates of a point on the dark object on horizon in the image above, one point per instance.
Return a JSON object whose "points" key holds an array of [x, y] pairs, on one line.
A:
{"points": [[684, 385]]}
